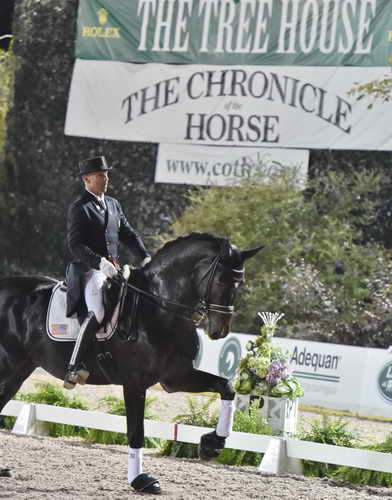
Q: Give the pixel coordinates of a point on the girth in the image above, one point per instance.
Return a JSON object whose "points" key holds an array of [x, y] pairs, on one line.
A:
{"points": [[128, 302]]}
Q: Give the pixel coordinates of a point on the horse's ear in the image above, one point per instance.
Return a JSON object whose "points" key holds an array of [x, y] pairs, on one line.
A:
{"points": [[247, 254]]}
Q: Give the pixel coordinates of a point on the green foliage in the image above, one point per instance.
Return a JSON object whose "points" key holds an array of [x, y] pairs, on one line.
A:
{"points": [[116, 406], [7, 422], [365, 476], [201, 414], [326, 431], [314, 267], [6, 83]]}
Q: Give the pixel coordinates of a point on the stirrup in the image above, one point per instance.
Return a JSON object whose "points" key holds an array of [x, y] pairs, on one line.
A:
{"points": [[79, 376], [67, 384], [74, 377]]}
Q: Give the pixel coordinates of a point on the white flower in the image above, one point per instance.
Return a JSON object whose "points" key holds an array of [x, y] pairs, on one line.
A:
{"points": [[270, 319]]}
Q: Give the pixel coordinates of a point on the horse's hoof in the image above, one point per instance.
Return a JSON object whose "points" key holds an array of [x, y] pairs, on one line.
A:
{"points": [[6, 472], [146, 484], [210, 446]]}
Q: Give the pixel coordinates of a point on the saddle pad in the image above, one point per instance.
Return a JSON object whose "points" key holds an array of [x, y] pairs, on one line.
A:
{"points": [[63, 329]]}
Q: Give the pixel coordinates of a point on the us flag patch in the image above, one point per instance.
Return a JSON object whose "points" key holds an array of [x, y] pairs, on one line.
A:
{"points": [[58, 329]]}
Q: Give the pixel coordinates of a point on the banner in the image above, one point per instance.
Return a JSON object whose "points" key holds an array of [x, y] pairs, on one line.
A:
{"points": [[339, 377], [249, 32], [218, 166], [292, 107]]}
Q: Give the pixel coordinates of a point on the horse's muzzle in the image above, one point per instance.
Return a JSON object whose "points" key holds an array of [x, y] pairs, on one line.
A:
{"points": [[219, 328]]}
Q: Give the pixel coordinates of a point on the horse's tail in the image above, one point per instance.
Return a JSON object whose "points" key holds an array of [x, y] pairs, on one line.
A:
{"points": [[25, 285]]}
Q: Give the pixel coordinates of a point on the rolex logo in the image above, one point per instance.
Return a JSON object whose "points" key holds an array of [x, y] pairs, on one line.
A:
{"points": [[101, 31], [102, 16]]}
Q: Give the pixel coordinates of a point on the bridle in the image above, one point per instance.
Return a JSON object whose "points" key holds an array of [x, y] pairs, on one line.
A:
{"points": [[204, 307]]}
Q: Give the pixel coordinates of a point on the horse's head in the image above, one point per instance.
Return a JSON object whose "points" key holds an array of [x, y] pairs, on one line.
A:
{"points": [[219, 277], [197, 276]]}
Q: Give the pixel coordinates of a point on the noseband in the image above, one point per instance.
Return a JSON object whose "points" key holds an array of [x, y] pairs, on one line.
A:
{"points": [[204, 307]]}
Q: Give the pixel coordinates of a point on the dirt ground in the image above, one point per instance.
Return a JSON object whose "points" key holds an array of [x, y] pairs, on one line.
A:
{"points": [[68, 468]]}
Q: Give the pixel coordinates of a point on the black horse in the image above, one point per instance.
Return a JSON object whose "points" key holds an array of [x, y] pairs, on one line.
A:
{"points": [[191, 277]]}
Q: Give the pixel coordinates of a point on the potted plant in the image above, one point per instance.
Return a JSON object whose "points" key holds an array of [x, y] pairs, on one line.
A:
{"points": [[264, 373]]}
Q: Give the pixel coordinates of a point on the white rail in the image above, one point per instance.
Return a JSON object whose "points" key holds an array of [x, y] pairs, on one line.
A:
{"points": [[293, 448]]}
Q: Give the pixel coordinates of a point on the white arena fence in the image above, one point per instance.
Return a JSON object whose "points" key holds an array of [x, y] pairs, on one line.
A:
{"points": [[281, 454]]}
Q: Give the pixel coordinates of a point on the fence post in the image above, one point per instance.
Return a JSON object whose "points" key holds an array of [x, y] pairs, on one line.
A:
{"points": [[27, 424], [282, 415], [274, 460]]}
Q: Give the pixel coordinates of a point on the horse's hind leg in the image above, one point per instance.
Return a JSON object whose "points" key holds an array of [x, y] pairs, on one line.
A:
{"points": [[11, 379]]}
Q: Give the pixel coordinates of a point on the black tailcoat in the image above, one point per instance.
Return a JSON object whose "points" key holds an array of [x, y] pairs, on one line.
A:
{"points": [[93, 233]]}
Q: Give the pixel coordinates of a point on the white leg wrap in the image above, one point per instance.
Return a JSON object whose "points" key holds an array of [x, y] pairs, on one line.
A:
{"points": [[226, 417], [135, 465]]}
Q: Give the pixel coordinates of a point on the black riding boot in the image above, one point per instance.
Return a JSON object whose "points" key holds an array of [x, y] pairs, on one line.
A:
{"points": [[76, 374]]}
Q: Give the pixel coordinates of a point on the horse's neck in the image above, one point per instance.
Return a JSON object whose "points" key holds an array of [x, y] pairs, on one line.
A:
{"points": [[173, 278]]}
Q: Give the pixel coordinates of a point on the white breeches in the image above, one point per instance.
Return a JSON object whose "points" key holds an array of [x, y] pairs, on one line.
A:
{"points": [[94, 281]]}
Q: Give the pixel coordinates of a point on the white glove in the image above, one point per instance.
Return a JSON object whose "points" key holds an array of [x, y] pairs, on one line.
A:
{"points": [[107, 268], [126, 272], [145, 261]]}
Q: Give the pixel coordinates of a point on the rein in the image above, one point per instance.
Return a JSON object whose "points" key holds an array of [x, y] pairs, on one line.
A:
{"points": [[197, 314]]}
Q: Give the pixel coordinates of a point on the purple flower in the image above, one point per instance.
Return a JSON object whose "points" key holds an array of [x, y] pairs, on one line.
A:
{"points": [[286, 372], [278, 370]]}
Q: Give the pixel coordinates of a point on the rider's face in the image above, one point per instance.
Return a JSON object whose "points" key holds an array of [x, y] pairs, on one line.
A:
{"points": [[97, 182]]}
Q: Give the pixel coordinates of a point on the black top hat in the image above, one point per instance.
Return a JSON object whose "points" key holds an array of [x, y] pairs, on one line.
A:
{"points": [[96, 164]]}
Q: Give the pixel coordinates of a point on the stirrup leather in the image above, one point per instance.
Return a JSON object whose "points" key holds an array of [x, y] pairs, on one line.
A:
{"points": [[77, 373]]}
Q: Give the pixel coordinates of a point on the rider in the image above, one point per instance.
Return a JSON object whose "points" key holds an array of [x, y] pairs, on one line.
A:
{"points": [[95, 226]]}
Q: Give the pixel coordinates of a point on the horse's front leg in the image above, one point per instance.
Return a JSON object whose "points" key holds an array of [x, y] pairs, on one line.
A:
{"points": [[211, 444], [134, 404]]}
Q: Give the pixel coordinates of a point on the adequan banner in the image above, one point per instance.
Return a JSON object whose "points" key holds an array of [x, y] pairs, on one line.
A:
{"points": [[334, 376], [292, 107], [219, 166], [248, 32]]}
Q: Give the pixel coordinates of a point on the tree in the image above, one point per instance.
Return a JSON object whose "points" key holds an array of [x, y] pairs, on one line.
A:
{"points": [[6, 83], [314, 267]]}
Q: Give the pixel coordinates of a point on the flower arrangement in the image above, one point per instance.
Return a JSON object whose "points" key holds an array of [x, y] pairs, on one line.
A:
{"points": [[265, 370]]}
